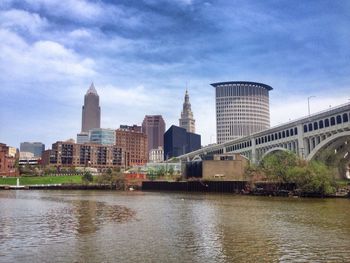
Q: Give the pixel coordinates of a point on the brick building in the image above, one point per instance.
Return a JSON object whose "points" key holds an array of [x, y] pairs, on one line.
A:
{"points": [[134, 142], [70, 154], [154, 127], [7, 161]]}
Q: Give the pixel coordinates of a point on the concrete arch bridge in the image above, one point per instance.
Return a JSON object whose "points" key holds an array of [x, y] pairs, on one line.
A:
{"points": [[308, 137]]}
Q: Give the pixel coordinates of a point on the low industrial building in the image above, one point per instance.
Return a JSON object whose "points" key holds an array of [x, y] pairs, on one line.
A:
{"points": [[225, 167]]}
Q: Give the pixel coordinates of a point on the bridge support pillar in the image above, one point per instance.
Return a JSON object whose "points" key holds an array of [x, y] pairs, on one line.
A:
{"points": [[301, 144], [254, 159]]}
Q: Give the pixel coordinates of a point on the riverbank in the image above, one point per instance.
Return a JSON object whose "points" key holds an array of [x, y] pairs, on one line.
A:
{"points": [[233, 187], [40, 180]]}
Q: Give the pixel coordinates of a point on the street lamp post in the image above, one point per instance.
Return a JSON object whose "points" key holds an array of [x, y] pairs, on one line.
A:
{"points": [[308, 103]]}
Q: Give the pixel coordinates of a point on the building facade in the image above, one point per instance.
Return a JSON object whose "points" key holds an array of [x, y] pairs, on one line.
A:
{"points": [[70, 154], [28, 158], [156, 155], [102, 136], [242, 108], [91, 111], [187, 121], [154, 127], [177, 141], [134, 142], [7, 161], [36, 148], [82, 137], [223, 167]]}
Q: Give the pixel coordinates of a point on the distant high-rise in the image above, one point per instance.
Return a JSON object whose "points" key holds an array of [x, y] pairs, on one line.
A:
{"points": [[102, 136], [36, 148], [91, 110], [242, 108], [187, 121], [154, 127], [177, 141]]}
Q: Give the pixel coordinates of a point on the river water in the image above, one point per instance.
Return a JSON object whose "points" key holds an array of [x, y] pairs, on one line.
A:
{"points": [[103, 226]]}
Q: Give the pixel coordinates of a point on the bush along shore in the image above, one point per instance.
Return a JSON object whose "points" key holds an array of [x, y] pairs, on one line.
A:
{"points": [[284, 173]]}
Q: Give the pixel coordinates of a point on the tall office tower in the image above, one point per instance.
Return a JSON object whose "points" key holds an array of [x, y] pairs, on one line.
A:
{"points": [[91, 110], [242, 108], [36, 148], [154, 127], [187, 121]]}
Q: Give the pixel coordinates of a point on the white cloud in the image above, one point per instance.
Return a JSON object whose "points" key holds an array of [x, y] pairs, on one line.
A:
{"points": [[80, 9], [80, 33], [289, 108], [15, 19], [41, 60]]}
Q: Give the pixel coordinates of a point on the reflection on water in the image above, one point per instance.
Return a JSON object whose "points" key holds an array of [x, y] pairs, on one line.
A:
{"points": [[91, 215], [92, 226]]}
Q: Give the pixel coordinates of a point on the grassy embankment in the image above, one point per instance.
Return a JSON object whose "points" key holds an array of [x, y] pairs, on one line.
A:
{"points": [[74, 179]]}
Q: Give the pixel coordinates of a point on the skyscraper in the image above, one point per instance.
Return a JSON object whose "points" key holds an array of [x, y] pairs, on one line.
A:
{"points": [[242, 108], [36, 148], [154, 127], [91, 110], [177, 141], [187, 121]]}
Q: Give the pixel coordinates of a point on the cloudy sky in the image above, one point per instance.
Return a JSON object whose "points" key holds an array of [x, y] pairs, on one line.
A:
{"points": [[141, 53]]}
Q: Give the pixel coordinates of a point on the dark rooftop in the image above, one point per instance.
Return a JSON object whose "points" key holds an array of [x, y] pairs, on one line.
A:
{"points": [[242, 82]]}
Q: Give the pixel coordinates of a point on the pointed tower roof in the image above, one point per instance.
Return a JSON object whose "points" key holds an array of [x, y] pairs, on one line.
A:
{"points": [[92, 89]]}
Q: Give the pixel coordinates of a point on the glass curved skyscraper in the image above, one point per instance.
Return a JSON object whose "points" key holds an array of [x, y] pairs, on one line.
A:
{"points": [[242, 108]]}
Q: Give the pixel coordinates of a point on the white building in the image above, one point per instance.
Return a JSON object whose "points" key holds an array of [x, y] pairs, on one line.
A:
{"points": [[156, 155], [242, 108]]}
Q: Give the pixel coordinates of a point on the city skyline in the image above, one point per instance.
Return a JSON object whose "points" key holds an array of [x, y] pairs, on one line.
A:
{"points": [[140, 56]]}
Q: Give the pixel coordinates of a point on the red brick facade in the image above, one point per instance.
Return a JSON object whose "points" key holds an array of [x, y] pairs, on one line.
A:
{"points": [[134, 142], [7, 162]]}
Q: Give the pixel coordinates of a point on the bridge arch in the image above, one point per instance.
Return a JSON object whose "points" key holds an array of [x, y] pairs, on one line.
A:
{"points": [[197, 158], [319, 147], [276, 149]]}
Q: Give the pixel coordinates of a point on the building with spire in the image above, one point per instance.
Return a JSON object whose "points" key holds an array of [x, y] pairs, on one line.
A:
{"points": [[91, 115], [187, 121]]}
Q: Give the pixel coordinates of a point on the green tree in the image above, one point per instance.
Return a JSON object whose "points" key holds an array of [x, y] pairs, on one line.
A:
{"points": [[171, 171], [115, 178], [315, 177], [309, 177], [87, 177], [160, 171], [276, 165]]}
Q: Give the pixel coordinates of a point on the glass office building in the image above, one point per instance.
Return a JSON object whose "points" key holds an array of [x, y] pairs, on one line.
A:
{"points": [[102, 136]]}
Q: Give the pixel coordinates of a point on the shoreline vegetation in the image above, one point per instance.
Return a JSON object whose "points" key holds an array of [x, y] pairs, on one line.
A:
{"points": [[279, 174]]}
